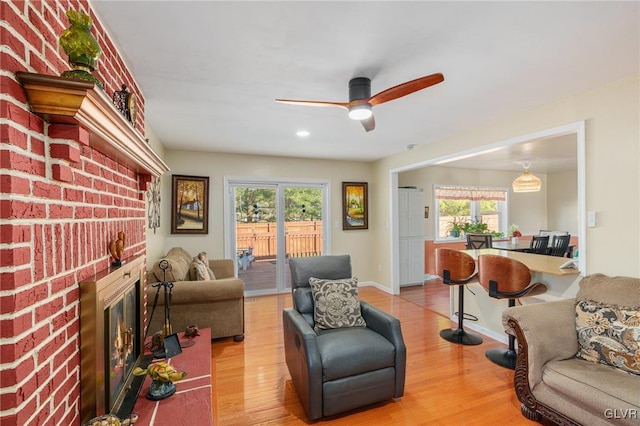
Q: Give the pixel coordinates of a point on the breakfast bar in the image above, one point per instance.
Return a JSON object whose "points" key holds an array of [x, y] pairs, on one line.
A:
{"points": [[561, 283]]}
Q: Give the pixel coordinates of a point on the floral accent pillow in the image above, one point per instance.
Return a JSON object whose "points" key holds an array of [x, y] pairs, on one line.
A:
{"points": [[336, 303], [609, 334]]}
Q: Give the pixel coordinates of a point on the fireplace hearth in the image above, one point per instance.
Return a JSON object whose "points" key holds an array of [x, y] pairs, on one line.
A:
{"points": [[111, 346]]}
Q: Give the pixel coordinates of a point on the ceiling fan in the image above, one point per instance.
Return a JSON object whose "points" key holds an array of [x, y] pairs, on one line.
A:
{"points": [[361, 101]]}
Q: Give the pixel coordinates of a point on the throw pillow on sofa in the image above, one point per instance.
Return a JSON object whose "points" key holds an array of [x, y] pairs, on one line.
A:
{"points": [[336, 303], [608, 334], [177, 266], [199, 269]]}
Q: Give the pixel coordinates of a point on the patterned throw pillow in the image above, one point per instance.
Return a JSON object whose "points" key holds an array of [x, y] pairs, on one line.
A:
{"points": [[609, 334], [336, 303]]}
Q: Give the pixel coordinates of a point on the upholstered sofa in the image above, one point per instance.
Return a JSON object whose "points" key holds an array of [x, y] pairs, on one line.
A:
{"points": [[211, 303], [564, 350]]}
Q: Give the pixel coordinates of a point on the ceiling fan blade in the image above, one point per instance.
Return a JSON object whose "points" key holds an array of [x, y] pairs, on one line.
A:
{"points": [[405, 89], [369, 123], [314, 103]]}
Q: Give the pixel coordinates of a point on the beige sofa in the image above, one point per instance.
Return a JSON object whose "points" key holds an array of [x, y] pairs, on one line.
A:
{"points": [[217, 304], [552, 382]]}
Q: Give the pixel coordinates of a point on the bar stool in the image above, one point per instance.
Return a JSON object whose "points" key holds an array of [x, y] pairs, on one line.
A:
{"points": [[457, 268], [506, 278]]}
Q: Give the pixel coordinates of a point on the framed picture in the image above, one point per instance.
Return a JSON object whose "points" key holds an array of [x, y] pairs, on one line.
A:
{"points": [[190, 205], [355, 210]]}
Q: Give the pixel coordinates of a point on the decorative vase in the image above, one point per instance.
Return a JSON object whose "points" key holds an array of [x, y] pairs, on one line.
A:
{"points": [[514, 240], [82, 48]]}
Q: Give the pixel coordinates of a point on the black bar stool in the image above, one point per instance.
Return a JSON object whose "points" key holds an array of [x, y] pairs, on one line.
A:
{"points": [[506, 278], [457, 268]]}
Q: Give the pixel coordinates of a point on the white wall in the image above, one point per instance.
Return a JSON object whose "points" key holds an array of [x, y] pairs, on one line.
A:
{"points": [[562, 201], [357, 243], [612, 170]]}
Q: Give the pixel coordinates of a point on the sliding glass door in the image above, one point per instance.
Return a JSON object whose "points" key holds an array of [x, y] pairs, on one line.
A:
{"points": [[271, 222]]}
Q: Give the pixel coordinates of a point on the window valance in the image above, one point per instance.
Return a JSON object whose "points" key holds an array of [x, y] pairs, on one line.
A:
{"points": [[469, 193]]}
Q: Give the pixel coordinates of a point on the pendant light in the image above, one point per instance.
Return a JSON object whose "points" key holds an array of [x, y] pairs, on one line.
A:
{"points": [[526, 182]]}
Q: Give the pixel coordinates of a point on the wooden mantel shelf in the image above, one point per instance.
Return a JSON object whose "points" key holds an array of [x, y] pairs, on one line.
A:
{"points": [[65, 101]]}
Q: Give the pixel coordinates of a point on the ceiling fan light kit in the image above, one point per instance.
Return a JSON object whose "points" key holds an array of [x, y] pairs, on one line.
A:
{"points": [[361, 101], [360, 112]]}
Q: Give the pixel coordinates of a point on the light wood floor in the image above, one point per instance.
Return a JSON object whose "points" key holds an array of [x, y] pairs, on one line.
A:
{"points": [[446, 384]]}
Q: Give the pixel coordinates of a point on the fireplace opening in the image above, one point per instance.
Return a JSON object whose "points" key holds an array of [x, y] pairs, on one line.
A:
{"points": [[111, 329], [122, 351]]}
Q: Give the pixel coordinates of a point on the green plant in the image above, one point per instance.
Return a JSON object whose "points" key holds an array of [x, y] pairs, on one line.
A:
{"points": [[477, 226], [457, 226]]}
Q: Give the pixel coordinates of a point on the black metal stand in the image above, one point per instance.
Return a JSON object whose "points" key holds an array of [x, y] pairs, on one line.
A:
{"points": [[168, 287], [459, 335], [505, 357]]}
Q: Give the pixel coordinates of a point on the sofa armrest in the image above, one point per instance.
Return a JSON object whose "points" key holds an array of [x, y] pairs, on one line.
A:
{"points": [[222, 268], [549, 331], [303, 361], [388, 326], [187, 292]]}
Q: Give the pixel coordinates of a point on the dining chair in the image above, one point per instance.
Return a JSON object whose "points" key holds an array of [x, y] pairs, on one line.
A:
{"points": [[559, 245], [551, 233], [479, 241], [539, 244], [506, 278], [457, 268]]}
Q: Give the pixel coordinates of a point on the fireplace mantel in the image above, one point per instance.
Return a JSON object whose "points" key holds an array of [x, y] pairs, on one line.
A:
{"points": [[66, 101]]}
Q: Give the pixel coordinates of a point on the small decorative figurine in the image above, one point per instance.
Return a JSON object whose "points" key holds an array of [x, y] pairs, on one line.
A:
{"points": [[162, 377], [81, 46], [126, 102], [116, 249], [190, 333]]}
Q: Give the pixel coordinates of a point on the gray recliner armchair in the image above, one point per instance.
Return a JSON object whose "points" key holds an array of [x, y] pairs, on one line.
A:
{"points": [[339, 369]]}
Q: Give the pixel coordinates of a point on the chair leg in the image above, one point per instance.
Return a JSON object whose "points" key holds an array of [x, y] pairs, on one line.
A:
{"points": [[505, 357], [460, 335]]}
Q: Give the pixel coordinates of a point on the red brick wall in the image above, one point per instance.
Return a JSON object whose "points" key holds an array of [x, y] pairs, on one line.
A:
{"points": [[61, 204]]}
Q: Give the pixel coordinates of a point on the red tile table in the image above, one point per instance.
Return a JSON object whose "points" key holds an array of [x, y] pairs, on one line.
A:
{"points": [[191, 404]]}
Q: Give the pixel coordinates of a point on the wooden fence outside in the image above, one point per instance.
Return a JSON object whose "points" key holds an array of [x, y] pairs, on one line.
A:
{"points": [[301, 238]]}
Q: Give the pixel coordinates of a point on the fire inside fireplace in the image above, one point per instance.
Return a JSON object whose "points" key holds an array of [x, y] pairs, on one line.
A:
{"points": [[111, 327], [122, 321]]}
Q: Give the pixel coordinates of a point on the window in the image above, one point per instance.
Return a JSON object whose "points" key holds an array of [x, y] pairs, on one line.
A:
{"points": [[456, 206]]}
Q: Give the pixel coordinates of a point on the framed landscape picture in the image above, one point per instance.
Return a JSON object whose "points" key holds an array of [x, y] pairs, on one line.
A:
{"points": [[189, 205], [355, 210]]}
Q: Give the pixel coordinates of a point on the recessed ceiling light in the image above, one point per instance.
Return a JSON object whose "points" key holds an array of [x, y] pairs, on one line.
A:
{"points": [[302, 133]]}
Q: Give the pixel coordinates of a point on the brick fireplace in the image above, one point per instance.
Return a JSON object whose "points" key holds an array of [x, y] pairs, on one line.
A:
{"points": [[69, 184]]}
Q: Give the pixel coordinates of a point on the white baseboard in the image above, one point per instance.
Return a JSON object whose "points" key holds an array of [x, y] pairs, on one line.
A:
{"points": [[374, 284]]}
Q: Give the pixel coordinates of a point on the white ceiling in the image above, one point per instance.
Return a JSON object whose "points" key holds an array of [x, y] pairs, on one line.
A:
{"points": [[548, 155], [210, 70]]}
